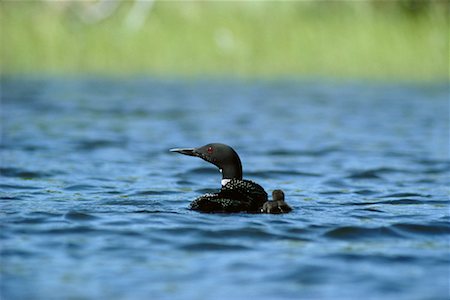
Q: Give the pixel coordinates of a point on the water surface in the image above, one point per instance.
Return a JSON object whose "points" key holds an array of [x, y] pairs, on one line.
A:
{"points": [[93, 206]]}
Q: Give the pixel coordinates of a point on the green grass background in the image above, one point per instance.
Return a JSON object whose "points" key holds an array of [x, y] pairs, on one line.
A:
{"points": [[382, 40]]}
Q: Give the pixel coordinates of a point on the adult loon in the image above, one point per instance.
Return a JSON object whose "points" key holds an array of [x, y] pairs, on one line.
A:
{"points": [[236, 194]]}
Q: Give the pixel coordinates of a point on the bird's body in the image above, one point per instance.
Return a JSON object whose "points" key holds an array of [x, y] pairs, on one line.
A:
{"points": [[236, 194]]}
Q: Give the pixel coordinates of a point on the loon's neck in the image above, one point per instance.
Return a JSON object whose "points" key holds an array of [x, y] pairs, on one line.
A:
{"points": [[225, 181], [231, 170]]}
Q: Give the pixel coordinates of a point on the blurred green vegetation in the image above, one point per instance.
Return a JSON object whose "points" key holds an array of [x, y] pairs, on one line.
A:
{"points": [[341, 39]]}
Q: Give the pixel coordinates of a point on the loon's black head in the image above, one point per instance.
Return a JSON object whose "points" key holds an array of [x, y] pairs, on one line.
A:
{"points": [[221, 155]]}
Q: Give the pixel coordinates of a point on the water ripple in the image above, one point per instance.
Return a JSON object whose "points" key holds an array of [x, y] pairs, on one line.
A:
{"points": [[23, 173], [208, 246], [280, 173], [368, 174], [428, 230], [399, 202], [402, 195], [353, 257], [18, 187], [361, 233], [80, 187], [88, 145], [153, 192], [79, 216], [313, 153]]}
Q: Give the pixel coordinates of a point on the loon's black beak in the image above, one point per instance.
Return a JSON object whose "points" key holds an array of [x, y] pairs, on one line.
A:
{"points": [[185, 151]]}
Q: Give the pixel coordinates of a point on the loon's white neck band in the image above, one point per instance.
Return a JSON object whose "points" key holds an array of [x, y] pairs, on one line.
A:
{"points": [[225, 181]]}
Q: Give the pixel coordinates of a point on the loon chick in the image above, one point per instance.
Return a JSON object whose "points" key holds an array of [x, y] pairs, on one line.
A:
{"points": [[236, 194], [277, 205]]}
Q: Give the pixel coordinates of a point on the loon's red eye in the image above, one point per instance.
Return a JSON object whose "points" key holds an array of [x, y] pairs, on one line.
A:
{"points": [[210, 150]]}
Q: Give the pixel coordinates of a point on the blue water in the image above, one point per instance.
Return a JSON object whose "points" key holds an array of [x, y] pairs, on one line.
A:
{"points": [[93, 206]]}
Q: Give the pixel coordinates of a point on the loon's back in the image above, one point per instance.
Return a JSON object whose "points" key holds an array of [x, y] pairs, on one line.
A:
{"points": [[237, 195]]}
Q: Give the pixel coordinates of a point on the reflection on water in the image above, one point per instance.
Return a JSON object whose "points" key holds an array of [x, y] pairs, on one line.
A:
{"points": [[94, 206]]}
